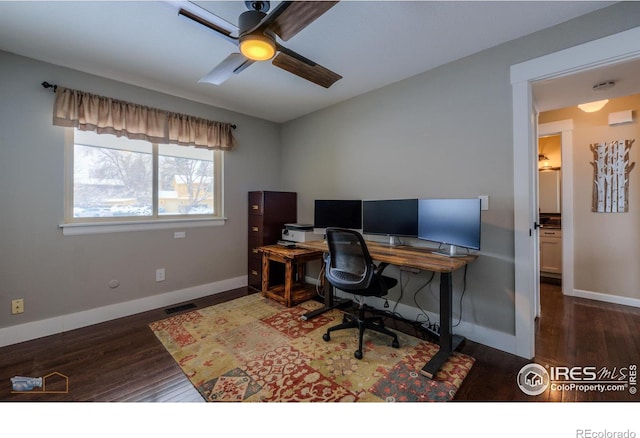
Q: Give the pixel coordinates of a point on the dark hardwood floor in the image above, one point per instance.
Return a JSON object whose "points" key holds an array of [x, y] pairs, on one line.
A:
{"points": [[122, 360]]}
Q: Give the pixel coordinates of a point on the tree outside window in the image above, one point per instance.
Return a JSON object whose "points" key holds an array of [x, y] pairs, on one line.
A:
{"points": [[115, 177]]}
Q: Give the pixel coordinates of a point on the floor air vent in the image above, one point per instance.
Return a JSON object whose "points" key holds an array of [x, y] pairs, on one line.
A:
{"points": [[177, 309]]}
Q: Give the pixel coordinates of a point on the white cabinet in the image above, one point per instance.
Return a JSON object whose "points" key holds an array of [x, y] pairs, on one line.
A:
{"points": [[549, 197], [550, 251]]}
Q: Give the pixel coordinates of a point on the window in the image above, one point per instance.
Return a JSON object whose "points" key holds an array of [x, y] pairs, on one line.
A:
{"points": [[116, 179]]}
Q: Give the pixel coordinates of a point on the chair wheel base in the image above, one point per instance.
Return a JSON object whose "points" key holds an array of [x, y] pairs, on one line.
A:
{"points": [[395, 344], [358, 354], [326, 337]]}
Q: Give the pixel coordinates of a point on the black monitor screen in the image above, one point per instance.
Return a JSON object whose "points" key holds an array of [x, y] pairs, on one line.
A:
{"points": [[393, 217], [451, 221], [337, 213]]}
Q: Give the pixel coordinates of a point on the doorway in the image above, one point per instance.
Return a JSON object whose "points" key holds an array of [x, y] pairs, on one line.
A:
{"points": [[549, 208], [624, 46], [563, 132]]}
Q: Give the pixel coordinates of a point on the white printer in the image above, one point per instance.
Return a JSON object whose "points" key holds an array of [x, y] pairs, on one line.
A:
{"points": [[298, 233]]}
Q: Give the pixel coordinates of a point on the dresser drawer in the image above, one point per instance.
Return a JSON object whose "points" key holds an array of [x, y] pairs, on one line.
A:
{"points": [[256, 203], [255, 272], [256, 226], [255, 243]]}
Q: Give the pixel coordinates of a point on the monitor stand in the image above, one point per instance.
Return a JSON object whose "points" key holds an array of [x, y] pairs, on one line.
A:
{"points": [[453, 252], [393, 241]]}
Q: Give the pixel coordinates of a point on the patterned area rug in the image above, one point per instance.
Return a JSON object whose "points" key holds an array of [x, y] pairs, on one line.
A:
{"points": [[254, 349]]}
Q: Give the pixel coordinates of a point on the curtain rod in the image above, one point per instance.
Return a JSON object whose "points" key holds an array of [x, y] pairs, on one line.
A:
{"points": [[46, 84]]}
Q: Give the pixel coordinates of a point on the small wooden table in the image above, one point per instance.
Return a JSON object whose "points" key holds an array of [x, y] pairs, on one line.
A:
{"points": [[294, 290]]}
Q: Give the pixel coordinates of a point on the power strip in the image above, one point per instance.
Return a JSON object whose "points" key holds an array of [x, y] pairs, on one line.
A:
{"points": [[432, 329]]}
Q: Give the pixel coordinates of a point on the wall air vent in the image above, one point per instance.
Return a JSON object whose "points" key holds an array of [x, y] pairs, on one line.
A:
{"points": [[620, 117], [180, 308]]}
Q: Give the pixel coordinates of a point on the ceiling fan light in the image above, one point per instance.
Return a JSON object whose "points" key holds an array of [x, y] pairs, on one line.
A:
{"points": [[592, 107], [257, 47]]}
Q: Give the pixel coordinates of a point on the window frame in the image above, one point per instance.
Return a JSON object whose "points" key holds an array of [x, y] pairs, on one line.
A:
{"points": [[93, 225]]}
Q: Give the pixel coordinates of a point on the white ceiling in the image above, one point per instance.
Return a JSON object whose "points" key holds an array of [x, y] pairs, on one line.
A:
{"points": [[370, 43], [578, 88]]}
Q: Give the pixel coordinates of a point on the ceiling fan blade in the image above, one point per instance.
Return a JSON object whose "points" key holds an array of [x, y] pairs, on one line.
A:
{"points": [[219, 30], [290, 17], [314, 73], [232, 64]]}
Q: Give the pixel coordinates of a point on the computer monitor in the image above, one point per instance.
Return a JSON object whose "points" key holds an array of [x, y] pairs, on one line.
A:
{"points": [[390, 217], [454, 222], [337, 213]]}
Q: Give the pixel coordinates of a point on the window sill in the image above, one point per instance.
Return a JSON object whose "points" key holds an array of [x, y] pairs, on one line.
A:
{"points": [[75, 229]]}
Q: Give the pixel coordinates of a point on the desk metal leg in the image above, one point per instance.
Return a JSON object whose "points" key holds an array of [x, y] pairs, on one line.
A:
{"points": [[329, 303], [448, 342]]}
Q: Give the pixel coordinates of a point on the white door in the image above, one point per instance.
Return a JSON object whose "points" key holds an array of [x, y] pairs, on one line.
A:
{"points": [[535, 222]]}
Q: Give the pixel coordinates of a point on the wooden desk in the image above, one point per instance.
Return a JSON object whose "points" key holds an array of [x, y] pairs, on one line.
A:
{"points": [[423, 259], [294, 290]]}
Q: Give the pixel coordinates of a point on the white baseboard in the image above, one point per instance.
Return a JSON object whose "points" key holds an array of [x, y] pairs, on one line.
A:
{"points": [[476, 333], [598, 296], [37, 329]]}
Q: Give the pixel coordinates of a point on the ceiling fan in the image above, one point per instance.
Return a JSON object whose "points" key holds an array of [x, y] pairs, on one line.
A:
{"points": [[255, 36]]}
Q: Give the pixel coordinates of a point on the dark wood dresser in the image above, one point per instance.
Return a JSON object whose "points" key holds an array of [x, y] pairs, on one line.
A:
{"points": [[268, 212]]}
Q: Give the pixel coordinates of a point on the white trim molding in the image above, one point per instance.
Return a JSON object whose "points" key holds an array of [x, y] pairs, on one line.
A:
{"points": [[59, 324], [623, 46], [557, 127], [75, 229], [607, 298]]}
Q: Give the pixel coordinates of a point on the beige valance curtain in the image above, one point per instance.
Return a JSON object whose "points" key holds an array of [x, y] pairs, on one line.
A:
{"points": [[90, 112]]}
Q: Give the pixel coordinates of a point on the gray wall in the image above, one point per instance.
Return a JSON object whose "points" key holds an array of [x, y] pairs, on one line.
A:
{"points": [[444, 133], [58, 275]]}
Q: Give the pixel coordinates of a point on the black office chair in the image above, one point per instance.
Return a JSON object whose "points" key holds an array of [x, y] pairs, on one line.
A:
{"points": [[349, 267]]}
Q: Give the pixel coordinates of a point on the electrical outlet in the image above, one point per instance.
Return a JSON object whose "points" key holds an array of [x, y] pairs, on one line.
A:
{"points": [[160, 274], [17, 306]]}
